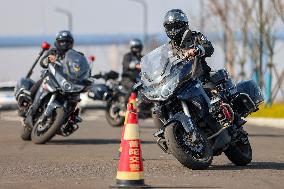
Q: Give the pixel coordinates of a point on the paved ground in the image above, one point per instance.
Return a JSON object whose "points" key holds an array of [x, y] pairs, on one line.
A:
{"points": [[86, 160]]}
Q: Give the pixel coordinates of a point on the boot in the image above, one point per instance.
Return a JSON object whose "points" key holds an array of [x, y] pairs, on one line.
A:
{"points": [[223, 140]]}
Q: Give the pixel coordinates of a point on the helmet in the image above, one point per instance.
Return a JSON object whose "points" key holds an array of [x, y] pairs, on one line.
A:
{"points": [[64, 41], [136, 46], [175, 23]]}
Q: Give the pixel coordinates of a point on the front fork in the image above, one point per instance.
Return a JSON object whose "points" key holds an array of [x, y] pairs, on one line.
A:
{"points": [[49, 106], [35, 106], [160, 133]]}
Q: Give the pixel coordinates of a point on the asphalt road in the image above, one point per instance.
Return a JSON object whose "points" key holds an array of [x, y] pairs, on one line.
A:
{"points": [[86, 160]]}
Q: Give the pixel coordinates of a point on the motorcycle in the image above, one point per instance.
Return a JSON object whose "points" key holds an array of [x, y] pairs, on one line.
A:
{"points": [[53, 109], [115, 96], [199, 120]]}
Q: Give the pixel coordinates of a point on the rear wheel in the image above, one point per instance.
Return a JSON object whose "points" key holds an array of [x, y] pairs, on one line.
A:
{"points": [[240, 153], [192, 151], [43, 131]]}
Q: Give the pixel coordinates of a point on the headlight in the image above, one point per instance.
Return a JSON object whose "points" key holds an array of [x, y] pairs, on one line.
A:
{"points": [[66, 85]]}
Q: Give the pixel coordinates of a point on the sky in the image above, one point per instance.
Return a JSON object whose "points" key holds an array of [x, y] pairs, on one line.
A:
{"points": [[33, 17], [38, 17]]}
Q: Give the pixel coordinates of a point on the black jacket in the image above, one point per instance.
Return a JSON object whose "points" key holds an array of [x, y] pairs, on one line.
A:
{"points": [[128, 63], [204, 47]]}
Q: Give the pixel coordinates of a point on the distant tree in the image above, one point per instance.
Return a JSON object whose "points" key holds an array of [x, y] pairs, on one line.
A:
{"points": [[223, 10]]}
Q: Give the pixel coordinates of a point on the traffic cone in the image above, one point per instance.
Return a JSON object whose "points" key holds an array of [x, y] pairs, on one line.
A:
{"points": [[122, 133], [133, 99], [130, 172]]}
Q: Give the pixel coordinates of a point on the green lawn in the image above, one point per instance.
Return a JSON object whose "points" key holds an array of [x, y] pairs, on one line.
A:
{"points": [[275, 111]]}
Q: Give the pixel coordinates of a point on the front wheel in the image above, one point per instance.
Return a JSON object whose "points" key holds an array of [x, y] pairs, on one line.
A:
{"points": [[240, 153], [43, 132], [192, 151], [26, 133], [115, 111]]}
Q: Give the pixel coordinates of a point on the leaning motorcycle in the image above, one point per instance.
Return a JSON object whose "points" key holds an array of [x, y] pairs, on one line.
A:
{"points": [[197, 117], [53, 109]]}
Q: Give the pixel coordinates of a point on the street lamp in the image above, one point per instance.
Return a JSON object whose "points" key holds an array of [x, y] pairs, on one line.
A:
{"points": [[69, 17], [145, 19]]}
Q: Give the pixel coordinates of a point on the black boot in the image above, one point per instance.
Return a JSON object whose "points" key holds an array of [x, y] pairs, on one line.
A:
{"points": [[222, 140]]}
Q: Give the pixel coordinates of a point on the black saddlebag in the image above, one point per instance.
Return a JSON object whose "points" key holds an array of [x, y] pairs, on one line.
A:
{"points": [[248, 99]]}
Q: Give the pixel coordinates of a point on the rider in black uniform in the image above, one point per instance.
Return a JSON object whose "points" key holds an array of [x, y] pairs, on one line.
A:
{"points": [[182, 41], [64, 41], [131, 64]]}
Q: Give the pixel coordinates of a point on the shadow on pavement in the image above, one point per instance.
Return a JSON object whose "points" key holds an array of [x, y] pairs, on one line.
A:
{"points": [[153, 186], [253, 165], [266, 135], [89, 142]]}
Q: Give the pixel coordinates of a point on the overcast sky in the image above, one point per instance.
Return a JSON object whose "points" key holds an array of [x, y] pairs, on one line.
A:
{"points": [[28, 17]]}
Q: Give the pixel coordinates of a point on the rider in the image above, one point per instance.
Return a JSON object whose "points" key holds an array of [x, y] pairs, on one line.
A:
{"points": [[182, 40], [64, 41], [131, 64], [182, 43]]}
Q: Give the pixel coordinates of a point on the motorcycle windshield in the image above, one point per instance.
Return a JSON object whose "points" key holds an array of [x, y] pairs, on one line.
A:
{"points": [[162, 72], [75, 67]]}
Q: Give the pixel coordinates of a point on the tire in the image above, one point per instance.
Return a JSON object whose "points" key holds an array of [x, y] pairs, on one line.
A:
{"points": [[113, 122], [45, 137], [186, 158], [119, 120], [239, 154], [26, 133]]}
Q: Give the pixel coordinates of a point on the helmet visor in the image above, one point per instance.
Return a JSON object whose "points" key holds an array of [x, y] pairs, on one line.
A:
{"points": [[174, 25]]}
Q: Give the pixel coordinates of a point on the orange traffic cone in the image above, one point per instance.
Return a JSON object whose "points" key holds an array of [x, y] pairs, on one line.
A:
{"points": [[130, 172], [133, 99], [122, 134]]}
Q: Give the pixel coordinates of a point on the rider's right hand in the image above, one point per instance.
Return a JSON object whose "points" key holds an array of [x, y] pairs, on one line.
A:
{"points": [[190, 53], [138, 66]]}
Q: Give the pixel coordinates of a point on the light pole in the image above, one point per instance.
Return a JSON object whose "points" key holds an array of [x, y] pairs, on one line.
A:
{"points": [[145, 20], [69, 17]]}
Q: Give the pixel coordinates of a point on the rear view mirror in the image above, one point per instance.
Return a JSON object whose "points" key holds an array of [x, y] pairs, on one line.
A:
{"points": [[45, 45]]}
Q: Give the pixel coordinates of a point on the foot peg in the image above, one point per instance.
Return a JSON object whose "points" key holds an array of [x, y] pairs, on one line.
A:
{"points": [[161, 140]]}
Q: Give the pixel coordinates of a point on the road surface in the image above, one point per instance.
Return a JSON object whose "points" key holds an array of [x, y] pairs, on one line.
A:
{"points": [[87, 160]]}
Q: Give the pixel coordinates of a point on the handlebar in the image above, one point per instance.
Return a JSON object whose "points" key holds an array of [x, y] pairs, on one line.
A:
{"points": [[107, 76]]}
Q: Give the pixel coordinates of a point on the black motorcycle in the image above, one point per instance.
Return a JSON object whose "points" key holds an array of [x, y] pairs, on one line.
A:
{"points": [[53, 109], [200, 120], [116, 98], [114, 94]]}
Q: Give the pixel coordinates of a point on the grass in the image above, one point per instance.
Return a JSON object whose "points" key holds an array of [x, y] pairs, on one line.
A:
{"points": [[275, 111]]}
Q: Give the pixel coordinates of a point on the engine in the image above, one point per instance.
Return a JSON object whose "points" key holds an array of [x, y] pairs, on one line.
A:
{"points": [[221, 112]]}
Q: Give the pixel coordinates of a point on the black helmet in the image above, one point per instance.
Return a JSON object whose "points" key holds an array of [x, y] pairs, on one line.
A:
{"points": [[136, 46], [175, 23], [64, 41]]}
